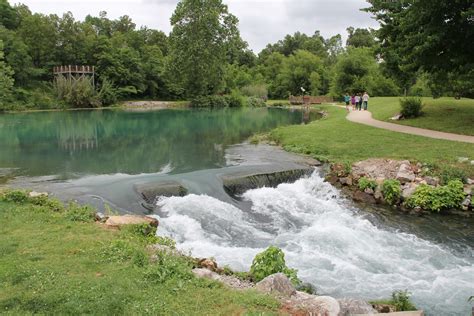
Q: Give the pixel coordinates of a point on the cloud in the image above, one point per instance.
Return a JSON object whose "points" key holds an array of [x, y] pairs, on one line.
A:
{"points": [[261, 21]]}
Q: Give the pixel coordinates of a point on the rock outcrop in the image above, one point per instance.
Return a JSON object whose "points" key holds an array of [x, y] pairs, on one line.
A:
{"points": [[119, 221], [354, 307], [277, 284]]}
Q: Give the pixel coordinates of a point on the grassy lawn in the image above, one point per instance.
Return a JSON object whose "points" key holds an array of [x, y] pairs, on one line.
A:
{"points": [[52, 265], [336, 139], [443, 114]]}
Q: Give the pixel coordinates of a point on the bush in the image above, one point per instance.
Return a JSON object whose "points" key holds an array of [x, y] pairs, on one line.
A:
{"points": [[269, 262], [257, 91], [108, 95], [16, 196], [365, 183], [52, 204], [235, 99], [401, 300], [411, 107], [439, 198], [391, 191], [79, 94], [448, 174], [255, 102]]}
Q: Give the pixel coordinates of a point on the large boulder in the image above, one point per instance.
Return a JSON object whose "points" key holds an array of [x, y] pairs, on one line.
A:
{"points": [[119, 221], [405, 173], [353, 307], [314, 305], [278, 284]]}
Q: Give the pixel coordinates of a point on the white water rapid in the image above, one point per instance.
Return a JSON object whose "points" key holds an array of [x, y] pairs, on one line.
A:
{"points": [[327, 240]]}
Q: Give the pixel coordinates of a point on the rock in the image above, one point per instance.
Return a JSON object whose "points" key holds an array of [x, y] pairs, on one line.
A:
{"points": [[472, 162], [468, 189], [384, 308], [408, 190], [434, 181], [418, 179], [346, 181], [314, 305], [227, 280], [34, 194], [397, 117], [100, 217], [207, 263], [351, 306], [118, 221], [339, 170], [369, 191], [470, 181], [463, 159], [378, 195], [466, 204], [206, 274], [278, 284], [363, 197], [405, 174], [332, 179]]}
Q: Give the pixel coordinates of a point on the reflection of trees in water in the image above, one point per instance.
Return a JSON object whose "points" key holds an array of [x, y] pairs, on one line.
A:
{"points": [[76, 135], [122, 142]]}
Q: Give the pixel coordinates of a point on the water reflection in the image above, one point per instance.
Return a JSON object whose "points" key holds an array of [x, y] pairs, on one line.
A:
{"points": [[105, 142]]}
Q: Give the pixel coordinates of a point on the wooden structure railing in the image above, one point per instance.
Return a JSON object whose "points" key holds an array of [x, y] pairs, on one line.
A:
{"points": [[75, 72]]}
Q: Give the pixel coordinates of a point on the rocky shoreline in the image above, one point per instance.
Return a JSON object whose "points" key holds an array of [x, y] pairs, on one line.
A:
{"points": [[364, 182]]}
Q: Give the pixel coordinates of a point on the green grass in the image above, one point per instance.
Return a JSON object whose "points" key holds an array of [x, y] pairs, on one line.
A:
{"points": [[444, 114], [50, 265], [336, 139]]}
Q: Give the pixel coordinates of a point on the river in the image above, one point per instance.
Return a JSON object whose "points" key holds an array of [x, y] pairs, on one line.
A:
{"points": [[344, 249]]}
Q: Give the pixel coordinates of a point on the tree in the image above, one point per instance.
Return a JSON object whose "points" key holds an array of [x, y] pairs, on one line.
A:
{"points": [[201, 35], [8, 16], [6, 80], [434, 36], [360, 37]]}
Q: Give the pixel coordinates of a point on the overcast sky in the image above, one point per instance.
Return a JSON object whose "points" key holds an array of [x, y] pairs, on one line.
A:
{"points": [[261, 21]]}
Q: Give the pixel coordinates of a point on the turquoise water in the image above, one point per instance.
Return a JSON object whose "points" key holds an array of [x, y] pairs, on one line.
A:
{"points": [[76, 143]]}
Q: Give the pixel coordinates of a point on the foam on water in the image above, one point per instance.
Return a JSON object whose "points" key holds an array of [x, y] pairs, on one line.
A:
{"points": [[325, 238]]}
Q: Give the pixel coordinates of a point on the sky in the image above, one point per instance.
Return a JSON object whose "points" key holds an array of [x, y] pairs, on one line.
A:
{"points": [[261, 21]]}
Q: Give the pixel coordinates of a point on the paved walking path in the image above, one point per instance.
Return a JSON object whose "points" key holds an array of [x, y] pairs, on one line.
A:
{"points": [[365, 117]]}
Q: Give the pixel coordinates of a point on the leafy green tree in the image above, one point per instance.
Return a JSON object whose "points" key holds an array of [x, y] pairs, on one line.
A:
{"points": [[8, 16], [202, 32], [6, 80], [434, 36], [360, 37]]}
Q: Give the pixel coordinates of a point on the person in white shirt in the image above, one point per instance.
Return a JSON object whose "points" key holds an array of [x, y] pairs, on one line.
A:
{"points": [[357, 99], [365, 98]]}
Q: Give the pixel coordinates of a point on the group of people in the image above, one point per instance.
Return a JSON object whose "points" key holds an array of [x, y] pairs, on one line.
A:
{"points": [[358, 101]]}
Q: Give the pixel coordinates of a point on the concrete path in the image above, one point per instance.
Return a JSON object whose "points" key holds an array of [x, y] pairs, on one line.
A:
{"points": [[365, 117]]}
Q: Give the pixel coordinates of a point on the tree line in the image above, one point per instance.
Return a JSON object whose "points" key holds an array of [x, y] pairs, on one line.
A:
{"points": [[422, 48]]}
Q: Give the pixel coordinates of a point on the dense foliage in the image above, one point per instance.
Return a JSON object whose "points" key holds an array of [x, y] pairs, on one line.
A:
{"points": [[391, 191], [269, 262], [437, 199], [205, 55]]}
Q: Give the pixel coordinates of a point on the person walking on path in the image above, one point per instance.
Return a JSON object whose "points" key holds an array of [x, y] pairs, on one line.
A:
{"points": [[358, 100], [365, 99], [353, 102], [347, 100]]}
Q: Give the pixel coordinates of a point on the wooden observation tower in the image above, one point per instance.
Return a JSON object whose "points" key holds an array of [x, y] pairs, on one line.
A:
{"points": [[75, 73]]}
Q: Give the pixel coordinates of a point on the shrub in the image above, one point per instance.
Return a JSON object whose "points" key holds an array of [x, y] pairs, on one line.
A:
{"points": [[52, 204], [235, 99], [365, 183], [411, 107], [16, 196], [391, 191], [437, 199], [401, 300], [255, 102], [79, 213], [79, 94], [256, 91], [269, 262], [108, 94]]}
